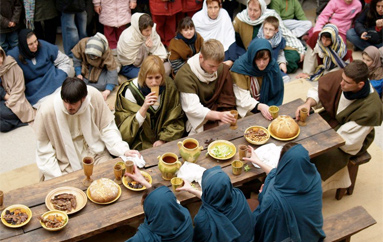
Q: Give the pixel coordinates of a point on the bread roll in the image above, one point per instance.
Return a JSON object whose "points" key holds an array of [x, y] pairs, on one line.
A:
{"points": [[284, 127], [103, 190]]}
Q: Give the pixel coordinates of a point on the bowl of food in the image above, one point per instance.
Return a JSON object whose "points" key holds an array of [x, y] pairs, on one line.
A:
{"points": [[54, 220], [257, 135], [221, 149], [16, 216], [136, 186]]}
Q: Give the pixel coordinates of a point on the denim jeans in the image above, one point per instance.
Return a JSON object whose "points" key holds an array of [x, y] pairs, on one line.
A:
{"points": [[355, 39], [73, 27], [9, 40]]}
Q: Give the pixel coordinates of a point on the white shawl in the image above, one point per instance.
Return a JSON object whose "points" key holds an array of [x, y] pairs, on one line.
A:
{"points": [[196, 68]]}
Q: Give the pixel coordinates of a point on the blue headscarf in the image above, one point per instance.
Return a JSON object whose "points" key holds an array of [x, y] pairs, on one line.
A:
{"points": [[165, 219], [272, 84], [224, 214], [290, 205]]}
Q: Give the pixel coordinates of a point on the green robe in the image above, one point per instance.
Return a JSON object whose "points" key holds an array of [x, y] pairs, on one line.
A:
{"points": [[166, 123]]}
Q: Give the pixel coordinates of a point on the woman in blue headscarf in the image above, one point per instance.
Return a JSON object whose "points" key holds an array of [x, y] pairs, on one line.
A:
{"points": [[257, 80], [290, 202], [165, 219], [224, 214]]}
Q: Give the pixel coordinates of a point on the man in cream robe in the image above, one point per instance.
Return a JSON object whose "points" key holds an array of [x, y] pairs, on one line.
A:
{"points": [[69, 129]]}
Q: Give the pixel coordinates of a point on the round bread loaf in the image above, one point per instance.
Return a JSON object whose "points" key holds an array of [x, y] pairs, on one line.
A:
{"points": [[103, 190], [284, 127]]}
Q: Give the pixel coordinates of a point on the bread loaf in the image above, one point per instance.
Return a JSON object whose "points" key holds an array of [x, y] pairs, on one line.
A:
{"points": [[103, 190], [284, 127]]}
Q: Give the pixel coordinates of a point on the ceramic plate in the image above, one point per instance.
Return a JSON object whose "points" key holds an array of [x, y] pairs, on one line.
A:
{"points": [[283, 139], [80, 198], [55, 212], [11, 209], [222, 144], [145, 174], [118, 196], [253, 141]]}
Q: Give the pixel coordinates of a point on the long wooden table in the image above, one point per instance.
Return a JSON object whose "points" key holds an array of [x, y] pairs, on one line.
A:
{"points": [[317, 137]]}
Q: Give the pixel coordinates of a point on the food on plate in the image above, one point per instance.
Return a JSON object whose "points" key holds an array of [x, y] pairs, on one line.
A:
{"points": [[137, 185], [16, 217], [53, 221], [64, 202], [257, 134], [284, 127], [103, 190], [221, 151]]}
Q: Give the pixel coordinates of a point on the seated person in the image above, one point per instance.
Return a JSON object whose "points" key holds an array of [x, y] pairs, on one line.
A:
{"points": [[137, 42], [257, 80], [165, 218], [290, 201], [248, 22], [94, 63], [44, 66], [186, 44], [213, 22], [206, 89], [15, 110], [371, 57], [224, 214], [144, 119], [270, 31], [293, 16], [352, 108], [330, 48], [73, 123]]}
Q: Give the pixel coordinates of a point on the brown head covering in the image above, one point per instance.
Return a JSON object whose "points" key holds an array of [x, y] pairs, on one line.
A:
{"points": [[375, 71]]}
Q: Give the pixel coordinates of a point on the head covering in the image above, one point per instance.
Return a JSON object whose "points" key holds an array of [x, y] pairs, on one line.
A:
{"points": [[96, 45], [290, 205], [8, 62], [165, 219], [375, 71], [23, 45], [224, 214], [272, 84]]}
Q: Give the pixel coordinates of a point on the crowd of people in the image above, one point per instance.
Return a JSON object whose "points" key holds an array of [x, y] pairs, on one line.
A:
{"points": [[188, 63]]}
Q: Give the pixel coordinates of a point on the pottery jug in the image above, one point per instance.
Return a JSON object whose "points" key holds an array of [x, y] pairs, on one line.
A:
{"points": [[168, 164], [189, 149]]}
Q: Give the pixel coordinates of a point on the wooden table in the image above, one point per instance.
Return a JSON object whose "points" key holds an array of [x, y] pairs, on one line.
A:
{"points": [[317, 137]]}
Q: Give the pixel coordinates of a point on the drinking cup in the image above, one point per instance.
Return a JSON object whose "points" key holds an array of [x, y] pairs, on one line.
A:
{"points": [[118, 171], [176, 183], [303, 112], [156, 89], [233, 125], [237, 166], [274, 111], [242, 151], [87, 163]]}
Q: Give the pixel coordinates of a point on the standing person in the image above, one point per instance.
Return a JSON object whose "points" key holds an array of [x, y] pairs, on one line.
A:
{"points": [[15, 110], [45, 21], [73, 22], [290, 201], [257, 80], [44, 66], [10, 13], [95, 65], [73, 123], [190, 7], [114, 15]]}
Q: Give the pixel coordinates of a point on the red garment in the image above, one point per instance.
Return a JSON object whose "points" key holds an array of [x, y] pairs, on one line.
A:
{"points": [[313, 37], [191, 6], [160, 7], [166, 27], [112, 34]]}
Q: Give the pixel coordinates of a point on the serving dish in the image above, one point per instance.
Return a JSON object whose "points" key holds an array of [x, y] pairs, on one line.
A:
{"points": [[118, 196], [263, 140], [59, 213], [283, 139], [221, 149], [81, 198], [11, 209], [147, 177]]}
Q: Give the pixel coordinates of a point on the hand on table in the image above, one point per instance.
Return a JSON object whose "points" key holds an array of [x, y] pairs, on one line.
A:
{"points": [[186, 187], [158, 143], [264, 109], [226, 117], [253, 158], [305, 105], [132, 153]]}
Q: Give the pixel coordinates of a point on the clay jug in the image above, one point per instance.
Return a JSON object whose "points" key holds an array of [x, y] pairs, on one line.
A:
{"points": [[168, 164], [189, 149]]}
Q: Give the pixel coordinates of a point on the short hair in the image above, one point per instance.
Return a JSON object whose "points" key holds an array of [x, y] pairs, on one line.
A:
{"points": [[185, 23], [213, 50], [211, 1], [149, 190], [357, 71], [286, 147], [145, 21], [327, 35], [151, 65], [271, 20], [73, 90], [262, 53]]}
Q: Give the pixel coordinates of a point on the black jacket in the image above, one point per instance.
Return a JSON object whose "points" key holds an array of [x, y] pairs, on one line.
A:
{"points": [[71, 6], [10, 11], [364, 24]]}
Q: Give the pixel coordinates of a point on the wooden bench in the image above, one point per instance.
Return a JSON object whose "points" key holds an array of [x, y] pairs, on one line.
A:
{"points": [[353, 166], [341, 226]]}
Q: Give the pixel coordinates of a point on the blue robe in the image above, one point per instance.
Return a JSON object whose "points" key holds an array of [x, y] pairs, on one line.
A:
{"points": [[224, 214], [290, 205], [165, 219], [43, 78]]}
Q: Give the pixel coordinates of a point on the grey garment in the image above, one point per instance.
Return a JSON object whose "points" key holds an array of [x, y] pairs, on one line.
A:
{"points": [[106, 77], [298, 27], [45, 9], [62, 62]]}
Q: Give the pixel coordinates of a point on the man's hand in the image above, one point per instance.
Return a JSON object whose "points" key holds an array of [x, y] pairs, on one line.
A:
{"points": [[105, 94], [138, 177], [307, 105], [97, 9], [132, 153], [226, 117], [302, 75], [158, 143], [264, 108], [11, 24], [283, 67]]}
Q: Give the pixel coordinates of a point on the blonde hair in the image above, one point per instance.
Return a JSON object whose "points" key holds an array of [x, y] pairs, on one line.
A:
{"points": [[213, 50], [150, 66]]}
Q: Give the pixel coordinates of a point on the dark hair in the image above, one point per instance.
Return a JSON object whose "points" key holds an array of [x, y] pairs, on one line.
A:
{"points": [[357, 71], [73, 90], [185, 23], [326, 35], [21, 57], [273, 21], [286, 147], [262, 53], [149, 190], [372, 14], [145, 21]]}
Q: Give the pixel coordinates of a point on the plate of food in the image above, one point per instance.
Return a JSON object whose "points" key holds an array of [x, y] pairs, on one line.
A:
{"points": [[135, 186], [103, 191], [284, 128], [221, 149], [257, 135], [67, 199], [16, 216], [54, 220]]}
